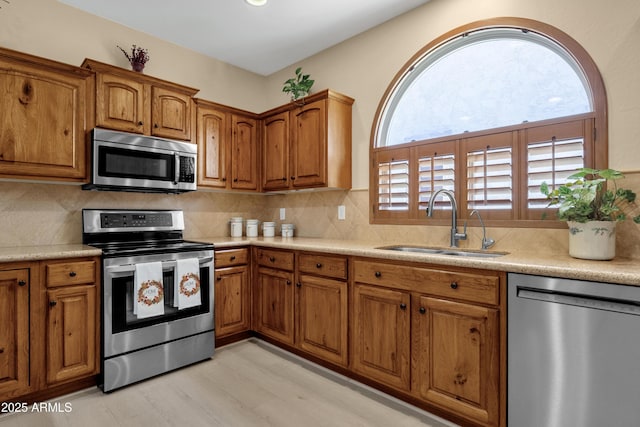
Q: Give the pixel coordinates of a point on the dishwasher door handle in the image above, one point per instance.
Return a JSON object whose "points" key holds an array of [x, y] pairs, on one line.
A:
{"points": [[580, 300]]}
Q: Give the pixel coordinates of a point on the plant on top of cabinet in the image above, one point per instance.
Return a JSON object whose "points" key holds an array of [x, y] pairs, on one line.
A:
{"points": [[137, 103], [138, 58], [308, 146], [298, 86]]}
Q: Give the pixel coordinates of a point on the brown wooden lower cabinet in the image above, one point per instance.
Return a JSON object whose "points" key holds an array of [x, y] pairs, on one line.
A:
{"points": [[71, 332], [232, 292], [321, 306], [381, 335], [433, 334], [14, 332], [49, 312], [456, 357], [274, 302]]}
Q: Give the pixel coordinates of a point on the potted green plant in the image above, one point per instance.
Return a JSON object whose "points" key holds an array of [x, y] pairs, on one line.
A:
{"points": [[592, 204], [299, 86]]}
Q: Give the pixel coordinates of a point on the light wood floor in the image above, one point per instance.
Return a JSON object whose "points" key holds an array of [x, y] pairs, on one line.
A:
{"points": [[250, 383]]}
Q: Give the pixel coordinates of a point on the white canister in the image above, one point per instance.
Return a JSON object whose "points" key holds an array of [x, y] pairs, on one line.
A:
{"points": [[287, 230], [268, 229], [252, 228], [236, 226]]}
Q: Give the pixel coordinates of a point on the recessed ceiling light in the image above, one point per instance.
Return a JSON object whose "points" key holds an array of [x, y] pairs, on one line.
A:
{"points": [[256, 2]]}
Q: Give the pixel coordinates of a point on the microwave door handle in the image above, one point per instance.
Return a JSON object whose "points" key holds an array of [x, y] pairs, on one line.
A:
{"points": [[177, 168]]}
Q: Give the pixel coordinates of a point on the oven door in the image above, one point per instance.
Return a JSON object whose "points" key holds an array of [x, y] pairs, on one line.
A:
{"points": [[124, 332]]}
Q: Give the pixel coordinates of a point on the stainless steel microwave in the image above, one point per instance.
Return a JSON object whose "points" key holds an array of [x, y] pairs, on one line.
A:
{"points": [[122, 161]]}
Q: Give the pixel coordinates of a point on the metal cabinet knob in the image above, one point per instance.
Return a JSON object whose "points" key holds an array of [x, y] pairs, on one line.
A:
{"points": [[298, 285], [403, 306], [233, 258], [288, 282], [272, 259], [72, 274], [454, 285], [378, 274], [318, 265], [21, 283], [53, 303], [423, 310]]}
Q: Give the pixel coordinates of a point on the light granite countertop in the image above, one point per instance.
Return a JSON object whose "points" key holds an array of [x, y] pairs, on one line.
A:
{"points": [[619, 270], [36, 253]]}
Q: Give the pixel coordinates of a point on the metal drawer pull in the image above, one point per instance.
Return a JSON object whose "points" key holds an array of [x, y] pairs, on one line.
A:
{"points": [[423, 310], [21, 283], [378, 274], [403, 306], [272, 259], [318, 265], [454, 285], [72, 274], [53, 303], [233, 258]]}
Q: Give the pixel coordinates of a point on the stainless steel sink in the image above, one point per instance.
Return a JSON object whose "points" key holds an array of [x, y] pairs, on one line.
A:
{"points": [[443, 251]]}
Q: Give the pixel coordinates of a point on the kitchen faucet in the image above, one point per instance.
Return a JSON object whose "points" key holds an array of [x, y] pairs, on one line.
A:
{"points": [[486, 242], [455, 236]]}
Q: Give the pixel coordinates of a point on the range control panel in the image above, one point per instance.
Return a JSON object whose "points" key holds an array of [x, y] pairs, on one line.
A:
{"points": [[135, 220]]}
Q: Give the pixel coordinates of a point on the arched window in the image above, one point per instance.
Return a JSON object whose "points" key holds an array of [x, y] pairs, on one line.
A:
{"points": [[489, 110]]}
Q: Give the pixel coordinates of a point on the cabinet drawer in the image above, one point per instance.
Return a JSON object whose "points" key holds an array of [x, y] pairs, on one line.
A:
{"points": [[71, 273], [275, 259], [231, 257], [323, 265], [473, 287]]}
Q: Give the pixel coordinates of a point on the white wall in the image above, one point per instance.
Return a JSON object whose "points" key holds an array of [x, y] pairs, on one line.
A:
{"points": [[363, 66], [56, 31]]}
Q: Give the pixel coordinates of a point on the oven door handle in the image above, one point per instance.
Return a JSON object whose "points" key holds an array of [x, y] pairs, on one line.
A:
{"points": [[166, 265]]}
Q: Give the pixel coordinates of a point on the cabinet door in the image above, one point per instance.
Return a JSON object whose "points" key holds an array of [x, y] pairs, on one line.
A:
{"points": [[42, 122], [275, 304], [321, 304], [456, 356], [14, 333], [170, 114], [71, 333], [276, 152], [244, 153], [120, 104], [232, 301], [213, 139], [381, 335], [309, 145]]}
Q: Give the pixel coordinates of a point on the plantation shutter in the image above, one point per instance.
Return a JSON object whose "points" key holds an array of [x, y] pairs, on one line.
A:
{"points": [[553, 154], [436, 170], [393, 181], [490, 175]]}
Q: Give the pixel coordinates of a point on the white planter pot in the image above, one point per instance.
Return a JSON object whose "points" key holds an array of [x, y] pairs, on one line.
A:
{"points": [[592, 240]]}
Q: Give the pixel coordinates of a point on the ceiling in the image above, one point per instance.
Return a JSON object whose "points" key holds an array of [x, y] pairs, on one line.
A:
{"points": [[259, 39]]}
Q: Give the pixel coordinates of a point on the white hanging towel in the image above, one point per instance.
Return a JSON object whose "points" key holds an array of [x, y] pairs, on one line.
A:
{"points": [[148, 290], [188, 283]]}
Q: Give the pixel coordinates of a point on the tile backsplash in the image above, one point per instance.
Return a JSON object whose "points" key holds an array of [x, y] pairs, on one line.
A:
{"points": [[48, 214]]}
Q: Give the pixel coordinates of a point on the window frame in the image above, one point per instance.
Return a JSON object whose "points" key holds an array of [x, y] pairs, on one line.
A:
{"points": [[596, 142]]}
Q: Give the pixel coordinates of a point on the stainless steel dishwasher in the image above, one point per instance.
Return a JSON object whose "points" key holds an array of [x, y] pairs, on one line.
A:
{"points": [[573, 353]]}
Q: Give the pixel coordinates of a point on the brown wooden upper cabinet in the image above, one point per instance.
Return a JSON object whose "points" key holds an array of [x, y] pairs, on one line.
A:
{"points": [[137, 103], [46, 107], [228, 147], [309, 145]]}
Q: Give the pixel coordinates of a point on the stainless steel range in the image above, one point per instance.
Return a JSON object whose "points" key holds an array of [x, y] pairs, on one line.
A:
{"points": [[157, 294]]}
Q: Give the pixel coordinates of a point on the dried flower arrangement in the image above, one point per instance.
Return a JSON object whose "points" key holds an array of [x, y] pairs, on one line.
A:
{"points": [[138, 57]]}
